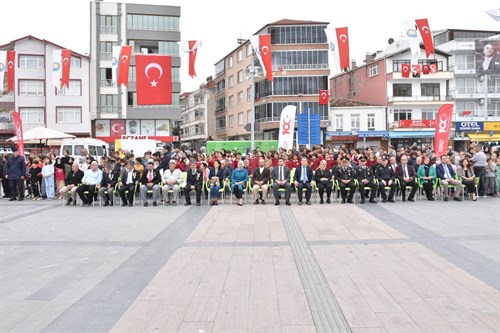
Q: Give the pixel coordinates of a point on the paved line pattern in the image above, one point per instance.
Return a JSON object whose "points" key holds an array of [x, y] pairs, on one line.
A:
{"points": [[235, 244], [103, 306], [70, 243], [325, 310], [8, 219]]}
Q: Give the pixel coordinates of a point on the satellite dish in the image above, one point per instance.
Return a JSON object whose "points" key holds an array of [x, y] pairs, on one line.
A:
{"points": [[390, 41]]}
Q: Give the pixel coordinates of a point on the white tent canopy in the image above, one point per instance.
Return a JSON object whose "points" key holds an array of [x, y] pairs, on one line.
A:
{"points": [[41, 133]]}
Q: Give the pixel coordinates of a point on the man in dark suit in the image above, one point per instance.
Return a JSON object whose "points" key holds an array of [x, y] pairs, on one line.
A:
{"points": [[73, 179], [345, 176], [444, 171], [166, 158], [260, 180], [406, 175], [323, 178], [107, 186], [150, 180], [281, 177], [194, 181], [303, 177], [365, 178], [386, 178], [129, 178], [489, 63]]}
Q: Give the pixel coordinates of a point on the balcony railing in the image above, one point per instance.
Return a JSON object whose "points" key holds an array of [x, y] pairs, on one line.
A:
{"points": [[109, 109], [220, 109], [106, 55], [220, 129], [392, 99], [173, 106], [107, 83], [108, 30], [137, 27], [299, 66]]}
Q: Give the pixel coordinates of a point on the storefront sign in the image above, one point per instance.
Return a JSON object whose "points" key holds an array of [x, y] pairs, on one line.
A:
{"points": [[416, 123], [135, 137], [492, 126], [469, 126]]}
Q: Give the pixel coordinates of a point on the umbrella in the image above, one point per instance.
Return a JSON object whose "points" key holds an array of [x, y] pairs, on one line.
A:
{"points": [[41, 133]]}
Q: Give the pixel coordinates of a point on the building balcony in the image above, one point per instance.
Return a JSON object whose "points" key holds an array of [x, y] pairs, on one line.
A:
{"points": [[7, 98], [420, 99], [220, 109], [300, 67], [109, 109], [109, 30], [493, 92], [219, 91], [220, 129]]}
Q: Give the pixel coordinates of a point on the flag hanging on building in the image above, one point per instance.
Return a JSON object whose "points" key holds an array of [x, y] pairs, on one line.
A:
{"points": [[331, 38], [193, 50], [66, 67], [433, 68], [494, 14], [443, 122], [425, 32], [343, 43], [114, 65], [323, 97], [124, 65], [18, 127], [154, 79], [11, 69], [405, 70], [466, 113], [262, 48], [426, 69], [411, 35], [287, 127], [415, 70], [3, 58], [56, 68]]}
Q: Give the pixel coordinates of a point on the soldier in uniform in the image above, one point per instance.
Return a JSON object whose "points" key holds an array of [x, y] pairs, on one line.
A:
{"points": [[365, 179], [386, 178], [345, 175], [107, 186]]}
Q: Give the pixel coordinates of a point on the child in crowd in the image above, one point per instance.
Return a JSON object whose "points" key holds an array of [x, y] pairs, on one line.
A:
{"points": [[36, 176], [489, 177], [497, 177]]}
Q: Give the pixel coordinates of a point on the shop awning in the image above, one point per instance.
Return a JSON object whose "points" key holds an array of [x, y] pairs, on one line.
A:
{"points": [[372, 134], [411, 134], [484, 137]]}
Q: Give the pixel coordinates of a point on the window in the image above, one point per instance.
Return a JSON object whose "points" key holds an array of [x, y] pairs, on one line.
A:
{"points": [[240, 118], [249, 94], [429, 114], [69, 115], [371, 121], [240, 97], [152, 22], [76, 62], [31, 61], [240, 55], [109, 103], [231, 100], [355, 122], [231, 121], [339, 122], [374, 70], [249, 116], [397, 64], [465, 61], [466, 85], [300, 34], [402, 114], [107, 50], [107, 77], [220, 124], [230, 62], [401, 90], [75, 89], [108, 24], [429, 89], [32, 87], [307, 85], [231, 81], [300, 59], [32, 115], [249, 49], [240, 76]]}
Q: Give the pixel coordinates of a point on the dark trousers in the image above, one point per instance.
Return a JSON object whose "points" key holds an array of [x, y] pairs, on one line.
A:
{"points": [[343, 190], [371, 185], [321, 189], [469, 185], [428, 189], [286, 186], [35, 188], [130, 195], [187, 190], [6, 187], [414, 188], [308, 188], [237, 192], [391, 191], [480, 172], [16, 184], [86, 198]]}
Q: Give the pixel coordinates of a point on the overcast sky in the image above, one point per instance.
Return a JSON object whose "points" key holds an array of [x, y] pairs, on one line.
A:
{"points": [[219, 23]]}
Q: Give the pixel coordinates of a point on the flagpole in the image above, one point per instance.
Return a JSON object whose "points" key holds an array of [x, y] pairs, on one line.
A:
{"points": [[252, 74]]}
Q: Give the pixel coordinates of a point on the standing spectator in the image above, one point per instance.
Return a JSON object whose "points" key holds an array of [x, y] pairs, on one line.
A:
{"points": [[489, 177], [59, 174], [67, 162], [479, 161], [497, 176], [16, 170], [48, 178], [166, 158], [35, 178]]}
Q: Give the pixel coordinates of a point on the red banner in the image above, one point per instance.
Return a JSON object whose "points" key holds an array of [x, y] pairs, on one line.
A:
{"points": [[416, 123], [405, 70], [11, 68], [18, 127], [265, 53], [425, 32], [193, 48], [117, 127], [443, 122], [124, 65], [154, 79], [323, 97], [343, 43], [66, 67]]}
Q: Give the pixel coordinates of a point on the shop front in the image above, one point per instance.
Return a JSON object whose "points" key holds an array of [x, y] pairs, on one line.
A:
{"points": [[358, 139], [487, 132]]}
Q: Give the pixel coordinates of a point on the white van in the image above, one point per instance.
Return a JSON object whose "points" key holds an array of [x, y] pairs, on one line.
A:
{"points": [[95, 147]]}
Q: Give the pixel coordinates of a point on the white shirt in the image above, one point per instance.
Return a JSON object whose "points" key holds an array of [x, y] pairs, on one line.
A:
{"points": [[168, 174]]}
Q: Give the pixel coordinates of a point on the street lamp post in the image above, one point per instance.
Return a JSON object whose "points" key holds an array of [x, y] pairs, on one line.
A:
{"points": [[252, 73]]}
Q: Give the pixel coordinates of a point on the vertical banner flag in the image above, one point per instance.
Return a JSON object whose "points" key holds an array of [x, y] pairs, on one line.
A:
{"points": [[66, 67], [405, 70], [265, 53], [425, 32], [18, 127], [154, 79], [193, 49], [11, 65], [331, 38], [287, 127], [323, 97], [443, 122], [343, 43], [494, 14], [114, 65], [3, 58], [124, 65], [56, 68], [255, 41], [411, 35]]}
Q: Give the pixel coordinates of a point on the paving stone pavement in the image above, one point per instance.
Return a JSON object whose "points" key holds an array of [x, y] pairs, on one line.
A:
{"points": [[403, 267]]}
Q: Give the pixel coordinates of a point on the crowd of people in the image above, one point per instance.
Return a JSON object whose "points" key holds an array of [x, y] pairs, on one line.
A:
{"points": [[275, 175]]}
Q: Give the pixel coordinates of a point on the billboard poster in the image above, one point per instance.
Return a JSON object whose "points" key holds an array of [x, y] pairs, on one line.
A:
{"points": [[488, 57], [162, 127], [133, 127], [102, 127], [148, 127]]}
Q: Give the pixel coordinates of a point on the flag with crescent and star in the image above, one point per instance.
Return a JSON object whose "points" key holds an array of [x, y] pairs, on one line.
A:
{"points": [[343, 43], [11, 68], [323, 97], [124, 65], [192, 49], [405, 70], [66, 68], [265, 53], [425, 32], [154, 79], [3, 57], [426, 69], [117, 128], [56, 68], [433, 68]]}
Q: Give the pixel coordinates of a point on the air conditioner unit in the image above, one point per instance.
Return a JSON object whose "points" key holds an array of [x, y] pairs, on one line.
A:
{"points": [[481, 101]]}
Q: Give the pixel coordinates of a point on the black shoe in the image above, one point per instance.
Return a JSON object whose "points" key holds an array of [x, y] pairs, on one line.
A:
{"points": [[308, 203], [106, 204], [300, 203], [187, 204], [198, 204], [343, 201], [124, 204], [411, 199], [384, 200], [277, 203], [288, 203], [174, 203], [328, 200], [430, 198], [12, 199], [321, 202], [391, 200], [145, 204], [74, 203], [372, 201], [21, 199], [445, 199], [457, 199], [69, 201], [350, 201], [130, 204], [167, 203], [362, 201], [404, 199], [155, 204]]}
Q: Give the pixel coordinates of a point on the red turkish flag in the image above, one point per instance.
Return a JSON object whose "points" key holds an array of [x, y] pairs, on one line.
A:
{"points": [[323, 97], [117, 128], [443, 122], [193, 49], [265, 53], [124, 65], [415, 70], [405, 70], [426, 69], [425, 32], [343, 43], [11, 68], [18, 127], [433, 68], [466, 113], [66, 67], [154, 79]]}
